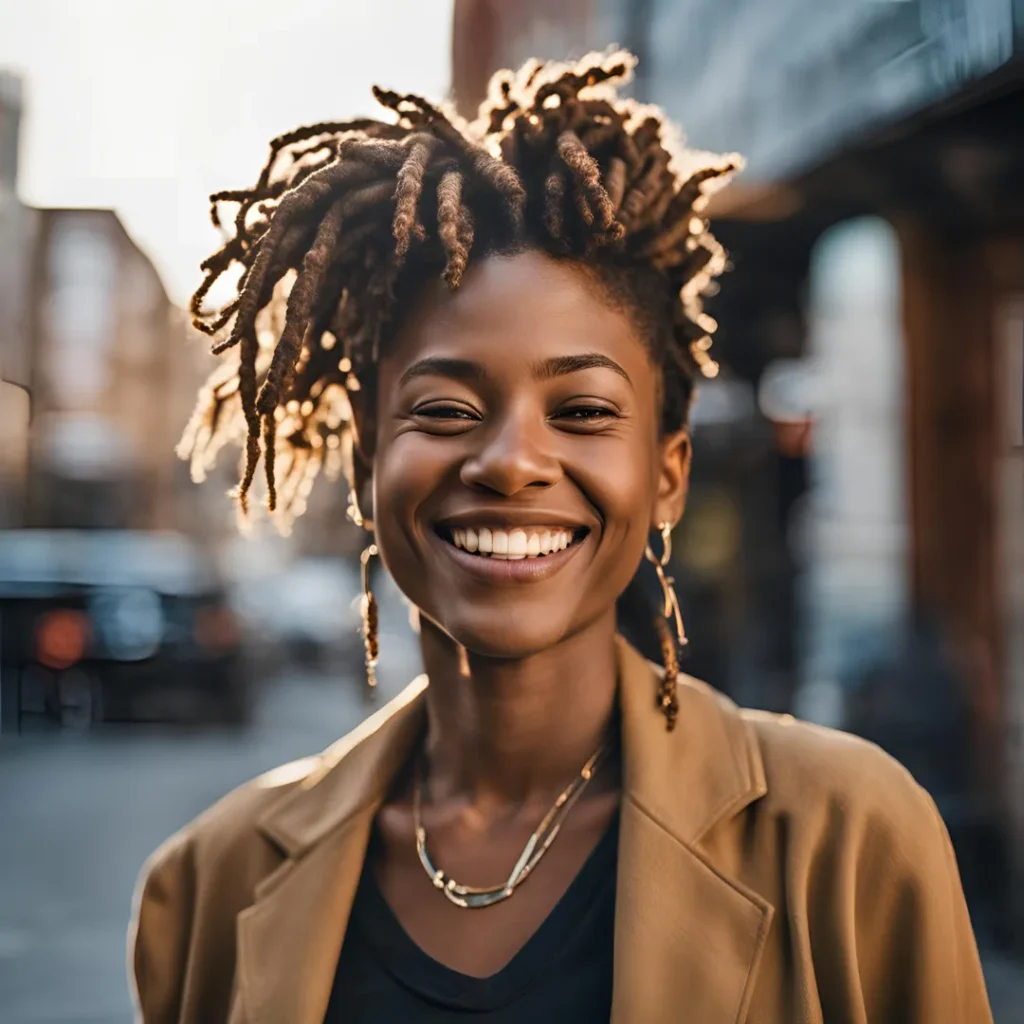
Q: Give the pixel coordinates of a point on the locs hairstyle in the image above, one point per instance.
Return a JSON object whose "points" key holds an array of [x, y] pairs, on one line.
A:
{"points": [[348, 219]]}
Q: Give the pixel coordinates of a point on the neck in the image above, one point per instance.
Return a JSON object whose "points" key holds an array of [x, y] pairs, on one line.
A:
{"points": [[511, 730]]}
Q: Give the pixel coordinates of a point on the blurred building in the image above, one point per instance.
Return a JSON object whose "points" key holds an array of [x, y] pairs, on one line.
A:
{"points": [[868, 524], [112, 601], [95, 372]]}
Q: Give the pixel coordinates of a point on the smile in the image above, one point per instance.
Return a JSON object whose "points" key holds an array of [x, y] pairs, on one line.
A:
{"points": [[511, 554], [514, 544]]}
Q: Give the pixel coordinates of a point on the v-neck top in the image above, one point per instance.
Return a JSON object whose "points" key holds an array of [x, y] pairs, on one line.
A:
{"points": [[563, 972]]}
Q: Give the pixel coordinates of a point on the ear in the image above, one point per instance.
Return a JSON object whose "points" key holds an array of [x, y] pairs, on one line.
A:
{"points": [[673, 477], [363, 451]]}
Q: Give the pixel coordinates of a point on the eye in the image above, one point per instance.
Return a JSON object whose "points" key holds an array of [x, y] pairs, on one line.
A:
{"points": [[445, 411], [446, 414], [585, 415]]}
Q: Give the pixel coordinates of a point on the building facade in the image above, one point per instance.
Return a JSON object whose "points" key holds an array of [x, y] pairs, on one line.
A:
{"points": [[95, 370]]}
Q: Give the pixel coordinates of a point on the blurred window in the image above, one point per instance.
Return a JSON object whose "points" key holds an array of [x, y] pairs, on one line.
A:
{"points": [[855, 582], [81, 310]]}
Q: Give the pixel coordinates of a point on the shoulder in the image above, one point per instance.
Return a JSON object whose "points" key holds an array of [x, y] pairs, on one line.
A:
{"points": [[861, 865], [832, 786], [192, 889], [801, 759], [195, 884], [226, 832], [279, 813]]}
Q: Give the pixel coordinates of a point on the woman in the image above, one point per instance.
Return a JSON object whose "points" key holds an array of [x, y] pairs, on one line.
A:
{"points": [[494, 328]]}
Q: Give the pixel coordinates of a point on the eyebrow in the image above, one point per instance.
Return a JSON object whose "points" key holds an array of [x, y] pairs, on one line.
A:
{"points": [[545, 369], [559, 366], [443, 366]]}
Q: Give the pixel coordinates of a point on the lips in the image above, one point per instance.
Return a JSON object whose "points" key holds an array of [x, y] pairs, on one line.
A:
{"points": [[503, 551]]}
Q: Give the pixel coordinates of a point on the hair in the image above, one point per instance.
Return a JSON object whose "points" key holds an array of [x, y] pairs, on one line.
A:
{"points": [[349, 219]]}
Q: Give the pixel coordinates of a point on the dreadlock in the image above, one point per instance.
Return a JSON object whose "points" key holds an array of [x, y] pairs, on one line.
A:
{"points": [[349, 217]]}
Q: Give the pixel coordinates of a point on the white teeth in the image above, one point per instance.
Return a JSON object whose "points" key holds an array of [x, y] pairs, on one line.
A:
{"points": [[520, 542]]}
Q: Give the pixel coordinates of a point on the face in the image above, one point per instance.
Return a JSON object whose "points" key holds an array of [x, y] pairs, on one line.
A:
{"points": [[516, 457]]}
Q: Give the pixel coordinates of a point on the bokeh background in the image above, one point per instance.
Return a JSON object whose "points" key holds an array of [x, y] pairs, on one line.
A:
{"points": [[853, 552]]}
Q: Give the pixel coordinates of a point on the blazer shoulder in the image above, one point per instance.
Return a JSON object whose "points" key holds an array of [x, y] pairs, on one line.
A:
{"points": [[208, 869], [813, 770], [227, 831], [870, 870], [232, 820]]}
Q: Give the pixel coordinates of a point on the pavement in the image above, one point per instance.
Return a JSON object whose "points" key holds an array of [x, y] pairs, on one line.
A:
{"points": [[80, 813]]}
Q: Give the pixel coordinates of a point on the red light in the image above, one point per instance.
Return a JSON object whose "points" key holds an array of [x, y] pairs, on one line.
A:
{"points": [[61, 638]]}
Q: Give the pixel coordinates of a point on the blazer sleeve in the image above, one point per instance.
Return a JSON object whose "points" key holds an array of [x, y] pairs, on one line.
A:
{"points": [[915, 940], [160, 933]]}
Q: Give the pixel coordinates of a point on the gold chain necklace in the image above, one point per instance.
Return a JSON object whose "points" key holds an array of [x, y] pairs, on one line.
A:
{"points": [[537, 845]]}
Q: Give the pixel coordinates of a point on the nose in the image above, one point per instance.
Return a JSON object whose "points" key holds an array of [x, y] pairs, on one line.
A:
{"points": [[515, 453]]}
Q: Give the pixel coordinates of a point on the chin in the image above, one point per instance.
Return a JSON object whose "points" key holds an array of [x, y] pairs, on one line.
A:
{"points": [[493, 634]]}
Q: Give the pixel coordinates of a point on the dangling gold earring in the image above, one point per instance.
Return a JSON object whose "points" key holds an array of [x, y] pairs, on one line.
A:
{"points": [[668, 698], [354, 513], [368, 604], [670, 603], [370, 618]]}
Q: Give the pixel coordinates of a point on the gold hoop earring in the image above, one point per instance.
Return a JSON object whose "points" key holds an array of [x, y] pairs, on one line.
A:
{"points": [[668, 698], [670, 603], [370, 618]]}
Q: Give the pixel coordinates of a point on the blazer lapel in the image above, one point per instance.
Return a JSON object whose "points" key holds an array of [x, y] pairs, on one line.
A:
{"points": [[290, 938], [687, 938]]}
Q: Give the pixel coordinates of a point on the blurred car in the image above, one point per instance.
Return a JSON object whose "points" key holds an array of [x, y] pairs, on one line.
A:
{"points": [[109, 625]]}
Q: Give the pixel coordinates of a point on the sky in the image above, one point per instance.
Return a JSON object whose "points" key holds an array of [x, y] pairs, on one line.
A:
{"points": [[148, 107]]}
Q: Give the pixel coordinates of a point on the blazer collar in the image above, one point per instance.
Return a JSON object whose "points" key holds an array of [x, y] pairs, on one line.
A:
{"points": [[685, 935], [349, 776], [707, 769]]}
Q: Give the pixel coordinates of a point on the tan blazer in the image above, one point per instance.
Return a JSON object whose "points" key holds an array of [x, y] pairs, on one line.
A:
{"points": [[769, 871]]}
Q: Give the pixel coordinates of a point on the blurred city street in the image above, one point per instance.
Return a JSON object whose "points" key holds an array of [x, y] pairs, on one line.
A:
{"points": [[82, 812]]}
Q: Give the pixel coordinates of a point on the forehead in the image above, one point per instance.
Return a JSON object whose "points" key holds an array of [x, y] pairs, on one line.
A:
{"points": [[520, 307]]}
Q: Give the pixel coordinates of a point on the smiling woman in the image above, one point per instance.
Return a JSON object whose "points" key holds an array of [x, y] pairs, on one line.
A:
{"points": [[493, 329]]}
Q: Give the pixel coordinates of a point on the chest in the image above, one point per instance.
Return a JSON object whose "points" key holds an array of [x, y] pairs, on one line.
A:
{"points": [[685, 935], [563, 970]]}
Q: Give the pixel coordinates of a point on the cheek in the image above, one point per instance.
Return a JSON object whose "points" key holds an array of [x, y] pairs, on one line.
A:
{"points": [[620, 479], [403, 476], [408, 472]]}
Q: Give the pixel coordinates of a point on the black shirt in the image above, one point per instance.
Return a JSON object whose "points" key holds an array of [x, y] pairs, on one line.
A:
{"points": [[563, 973]]}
